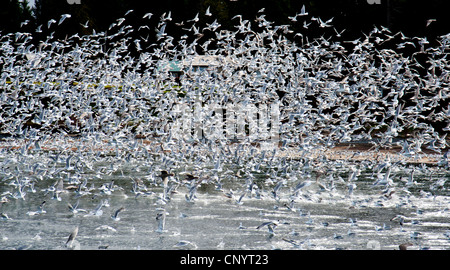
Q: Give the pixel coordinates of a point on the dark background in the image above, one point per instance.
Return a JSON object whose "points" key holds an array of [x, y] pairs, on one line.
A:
{"points": [[356, 16]]}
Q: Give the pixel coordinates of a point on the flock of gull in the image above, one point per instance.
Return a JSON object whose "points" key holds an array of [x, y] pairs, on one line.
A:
{"points": [[96, 115]]}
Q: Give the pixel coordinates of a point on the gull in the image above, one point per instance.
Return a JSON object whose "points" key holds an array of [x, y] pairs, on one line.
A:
{"points": [[138, 45], [238, 16], [195, 19], [208, 13], [185, 244], [338, 34], [80, 191], [293, 242], [190, 177], [410, 181], [306, 25], [400, 218], [74, 208], [111, 26], [403, 45], [161, 218], [213, 26], [98, 210], [239, 201], [105, 228], [160, 33], [128, 12], [120, 21], [386, 180], [165, 177], [166, 18], [192, 190], [71, 239], [115, 216], [147, 15], [324, 24], [24, 23], [63, 17], [293, 18], [275, 190], [430, 21], [350, 233], [4, 216], [301, 185], [229, 195], [373, 245], [354, 42], [107, 188], [40, 210], [86, 25], [303, 11], [68, 159], [271, 225], [414, 235], [351, 187], [439, 184], [50, 22], [241, 227]]}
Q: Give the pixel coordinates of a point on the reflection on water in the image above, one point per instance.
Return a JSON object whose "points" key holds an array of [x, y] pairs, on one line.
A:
{"points": [[321, 215]]}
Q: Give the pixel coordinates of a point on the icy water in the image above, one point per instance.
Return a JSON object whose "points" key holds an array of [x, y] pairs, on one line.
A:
{"points": [[321, 216]]}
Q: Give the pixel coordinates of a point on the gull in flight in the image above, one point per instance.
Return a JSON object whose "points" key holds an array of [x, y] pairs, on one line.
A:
{"points": [[49, 23], [208, 13], [71, 239], [271, 225], [115, 216], [63, 17], [147, 15]]}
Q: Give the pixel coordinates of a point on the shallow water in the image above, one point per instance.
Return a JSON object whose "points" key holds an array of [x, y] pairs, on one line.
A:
{"points": [[318, 219]]}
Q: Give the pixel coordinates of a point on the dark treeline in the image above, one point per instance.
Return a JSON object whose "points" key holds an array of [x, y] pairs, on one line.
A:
{"points": [[356, 16]]}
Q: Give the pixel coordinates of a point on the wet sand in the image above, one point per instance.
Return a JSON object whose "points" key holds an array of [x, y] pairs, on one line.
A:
{"points": [[362, 152], [353, 152]]}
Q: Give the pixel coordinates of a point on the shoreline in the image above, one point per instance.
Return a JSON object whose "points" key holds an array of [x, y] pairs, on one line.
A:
{"points": [[354, 152]]}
